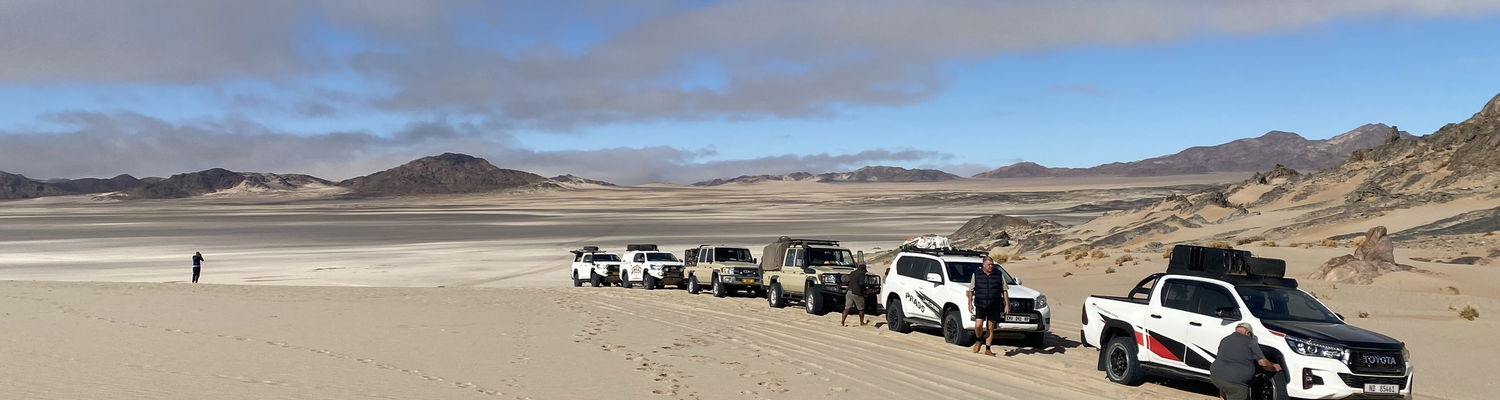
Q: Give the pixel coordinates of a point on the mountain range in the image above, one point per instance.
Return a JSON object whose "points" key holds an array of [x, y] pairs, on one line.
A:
{"points": [[1244, 155], [862, 175]]}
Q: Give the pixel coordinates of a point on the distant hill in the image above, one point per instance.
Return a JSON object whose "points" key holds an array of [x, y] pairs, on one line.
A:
{"points": [[96, 185], [1244, 155], [217, 180], [13, 186], [575, 180], [443, 174], [866, 174]]}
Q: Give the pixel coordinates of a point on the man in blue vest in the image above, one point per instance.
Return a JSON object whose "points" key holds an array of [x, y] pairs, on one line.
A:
{"points": [[989, 300]]}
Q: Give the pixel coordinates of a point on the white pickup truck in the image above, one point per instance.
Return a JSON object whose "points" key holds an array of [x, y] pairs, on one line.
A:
{"points": [[649, 267], [931, 287], [1171, 323], [595, 267]]}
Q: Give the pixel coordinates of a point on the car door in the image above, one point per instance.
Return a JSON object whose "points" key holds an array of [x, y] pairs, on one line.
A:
{"points": [[1167, 323], [1205, 330], [638, 266], [793, 276], [911, 281]]}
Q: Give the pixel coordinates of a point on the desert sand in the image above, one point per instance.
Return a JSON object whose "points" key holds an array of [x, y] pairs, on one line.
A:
{"points": [[467, 297]]}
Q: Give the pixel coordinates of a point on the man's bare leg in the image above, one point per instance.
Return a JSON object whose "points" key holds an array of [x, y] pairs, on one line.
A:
{"points": [[844, 321], [990, 338], [978, 334]]}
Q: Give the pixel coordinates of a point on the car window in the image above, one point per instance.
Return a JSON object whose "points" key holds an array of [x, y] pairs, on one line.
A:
{"points": [[640, 257], [1178, 295], [933, 267], [1211, 298], [588, 257], [661, 257], [963, 272], [577, 257], [904, 267], [605, 257], [791, 258], [1284, 304]]}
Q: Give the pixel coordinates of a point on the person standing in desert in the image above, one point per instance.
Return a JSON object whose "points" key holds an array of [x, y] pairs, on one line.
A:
{"points": [[197, 265], [1239, 354], [989, 300], [856, 296]]}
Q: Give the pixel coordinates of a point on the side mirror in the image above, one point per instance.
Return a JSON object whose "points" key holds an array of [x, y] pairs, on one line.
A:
{"points": [[1341, 316], [1018, 281], [1228, 313], [934, 278]]}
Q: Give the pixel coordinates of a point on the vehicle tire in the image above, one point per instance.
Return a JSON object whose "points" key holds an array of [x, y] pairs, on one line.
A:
{"points": [[719, 290], [595, 279], [1036, 340], [649, 281], [692, 286], [758, 292], [1270, 386], [814, 301], [576, 282], [681, 285], [774, 296], [624, 279], [953, 330], [895, 317], [1120, 363]]}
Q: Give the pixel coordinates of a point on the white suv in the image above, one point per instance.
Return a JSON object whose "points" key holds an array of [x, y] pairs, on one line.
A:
{"points": [[651, 268], [930, 288], [597, 268]]}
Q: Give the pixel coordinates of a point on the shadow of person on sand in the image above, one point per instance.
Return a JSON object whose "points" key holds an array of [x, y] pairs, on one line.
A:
{"points": [[1051, 344]]}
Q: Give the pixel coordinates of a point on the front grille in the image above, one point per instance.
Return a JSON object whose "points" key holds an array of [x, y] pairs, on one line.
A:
{"points": [[1359, 382], [614, 269], [746, 272], [1020, 305], [1376, 362]]}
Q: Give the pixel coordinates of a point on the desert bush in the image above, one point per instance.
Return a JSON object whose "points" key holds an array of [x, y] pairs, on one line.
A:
{"points": [[1451, 291], [1268, 243], [1067, 274], [1123, 259], [1098, 254], [1363, 314], [1077, 256], [1330, 243], [999, 258], [1357, 242], [1167, 255], [1136, 263], [1045, 254], [1017, 257], [1469, 313], [1249, 240], [1220, 245], [1111, 270]]}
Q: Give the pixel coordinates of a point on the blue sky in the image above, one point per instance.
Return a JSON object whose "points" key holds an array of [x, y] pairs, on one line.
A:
{"points": [[683, 91]]}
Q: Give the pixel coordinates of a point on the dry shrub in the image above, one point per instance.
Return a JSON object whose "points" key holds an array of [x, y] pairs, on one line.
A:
{"points": [[1330, 243], [1167, 255], [1451, 291], [1067, 274], [1357, 242], [1098, 254], [1249, 240], [1000, 258], [1268, 243], [1111, 270], [1452, 308], [1220, 245], [1136, 263], [1046, 254], [1123, 259], [1363, 314], [1306, 245], [1017, 257], [1077, 256], [1469, 313]]}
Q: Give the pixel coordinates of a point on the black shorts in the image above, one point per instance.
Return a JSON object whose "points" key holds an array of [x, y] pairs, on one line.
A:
{"points": [[994, 312]]}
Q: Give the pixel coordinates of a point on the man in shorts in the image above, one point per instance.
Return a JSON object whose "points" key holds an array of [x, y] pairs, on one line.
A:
{"points": [[989, 300], [856, 296]]}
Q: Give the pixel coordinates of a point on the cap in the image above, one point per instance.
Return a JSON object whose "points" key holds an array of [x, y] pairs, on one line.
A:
{"points": [[1245, 325]]}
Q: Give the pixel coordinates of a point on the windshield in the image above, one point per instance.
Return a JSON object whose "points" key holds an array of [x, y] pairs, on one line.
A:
{"points": [[963, 272], [660, 257], [826, 257], [723, 254], [606, 257], [1283, 304]]}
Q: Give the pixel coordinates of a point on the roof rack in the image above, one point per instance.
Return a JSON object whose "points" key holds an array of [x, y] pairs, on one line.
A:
{"points": [[945, 252], [813, 242], [585, 249], [1229, 265], [640, 247]]}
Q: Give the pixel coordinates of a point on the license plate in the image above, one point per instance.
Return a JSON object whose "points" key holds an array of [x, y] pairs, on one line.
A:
{"points": [[747, 281], [1386, 389], [1018, 318]]}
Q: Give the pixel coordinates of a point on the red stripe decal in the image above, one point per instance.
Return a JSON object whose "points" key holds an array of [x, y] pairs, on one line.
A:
{"points": [[1139, 339], [1161, 351]]}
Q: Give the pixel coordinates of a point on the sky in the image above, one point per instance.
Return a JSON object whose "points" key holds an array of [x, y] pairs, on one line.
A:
{"points": [[682, 91]]}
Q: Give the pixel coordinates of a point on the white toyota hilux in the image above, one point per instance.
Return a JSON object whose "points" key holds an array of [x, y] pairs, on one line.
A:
{"points": [[931, 288], [648, 267]]}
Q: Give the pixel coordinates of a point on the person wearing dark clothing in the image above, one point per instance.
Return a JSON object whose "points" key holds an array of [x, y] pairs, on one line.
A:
{"points": [[989, 300], [197, 265], [856, 296], [1239, 354]]}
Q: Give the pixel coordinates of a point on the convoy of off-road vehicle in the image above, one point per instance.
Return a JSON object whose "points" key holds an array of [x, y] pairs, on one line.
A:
{"points": [[1168, 326]]}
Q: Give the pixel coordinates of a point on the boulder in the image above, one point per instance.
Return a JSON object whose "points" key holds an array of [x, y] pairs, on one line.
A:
{"points": [[1373, 258]]}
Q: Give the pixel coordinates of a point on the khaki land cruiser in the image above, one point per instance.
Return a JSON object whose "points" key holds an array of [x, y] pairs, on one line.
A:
{"points": [[725, 269], [813, 270]]}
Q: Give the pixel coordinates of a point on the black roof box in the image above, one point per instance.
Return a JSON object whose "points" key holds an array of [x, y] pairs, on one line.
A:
{"points": [[1212, 261], [640, 247]]}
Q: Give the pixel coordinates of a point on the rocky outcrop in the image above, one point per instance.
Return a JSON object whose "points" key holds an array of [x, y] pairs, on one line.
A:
{"points": [[575, 180], [448, 173], [1027, 169], [1372, 259], [1278, 175], [998, 230], [14, 186], [218, 180]]}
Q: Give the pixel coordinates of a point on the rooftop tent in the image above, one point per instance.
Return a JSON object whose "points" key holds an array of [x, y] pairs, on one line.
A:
{"points": [[1206, 260], [640, 247], [775, 254]]}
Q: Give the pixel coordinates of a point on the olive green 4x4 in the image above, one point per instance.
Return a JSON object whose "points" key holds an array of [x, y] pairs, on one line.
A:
{"points": [[815, 271], [722, 269]]}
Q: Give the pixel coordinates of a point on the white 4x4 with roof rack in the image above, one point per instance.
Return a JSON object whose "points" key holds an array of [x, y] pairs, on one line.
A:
{"points": [[930, 287], [649, 267], [595, 267], [1171, 323]]}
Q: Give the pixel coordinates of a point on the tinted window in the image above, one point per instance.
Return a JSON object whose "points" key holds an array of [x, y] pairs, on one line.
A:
{"points": [[834, 257], [588, 257], [932, 267], [577, 257], [1283, 304], [731, 254], [791, 259], [640, 257], [1213, 297], [906, 266], [606, 257], [1178, 295], [660, 257]]}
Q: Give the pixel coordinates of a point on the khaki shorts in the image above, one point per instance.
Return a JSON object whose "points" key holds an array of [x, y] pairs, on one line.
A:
{"points": [[852, 301]]}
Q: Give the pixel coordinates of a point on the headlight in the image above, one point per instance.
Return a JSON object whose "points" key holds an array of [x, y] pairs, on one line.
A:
{"points": [[655, 266], [1041, 301], [830, 279], [726, 271], [1312, 348], [872, 280]]}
